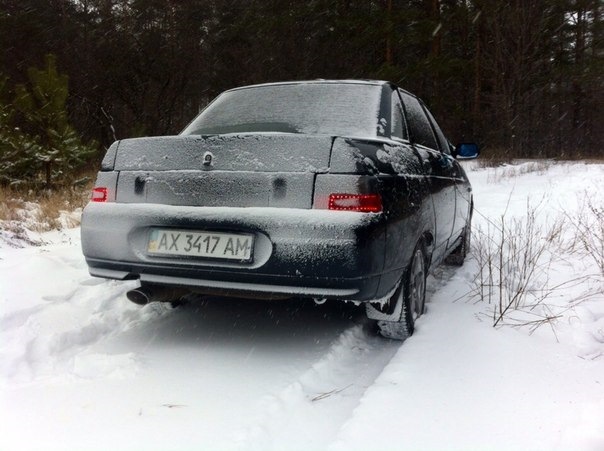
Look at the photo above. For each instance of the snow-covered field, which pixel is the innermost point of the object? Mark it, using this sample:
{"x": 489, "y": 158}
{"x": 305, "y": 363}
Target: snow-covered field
{"x": 83, "y": 368}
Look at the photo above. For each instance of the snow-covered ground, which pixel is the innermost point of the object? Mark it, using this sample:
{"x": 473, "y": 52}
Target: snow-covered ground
{"x": 82, "y": 368}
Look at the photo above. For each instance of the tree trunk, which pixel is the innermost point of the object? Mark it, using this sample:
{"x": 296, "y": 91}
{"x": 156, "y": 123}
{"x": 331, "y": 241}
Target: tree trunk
{"x": 477, "y": 73}
{"x": 47, "y": 166}
{"x": 389, "y": 59}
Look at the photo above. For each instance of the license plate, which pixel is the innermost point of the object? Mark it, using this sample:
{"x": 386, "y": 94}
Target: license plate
{"x": 230, "y": 246}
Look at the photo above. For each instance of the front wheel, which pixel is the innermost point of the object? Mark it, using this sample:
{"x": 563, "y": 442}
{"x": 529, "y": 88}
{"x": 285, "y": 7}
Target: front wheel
{"x": 407, "y": 303}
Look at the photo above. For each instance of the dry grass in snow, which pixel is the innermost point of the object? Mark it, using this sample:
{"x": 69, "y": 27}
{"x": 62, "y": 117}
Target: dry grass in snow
{"x": 22, "y": 212}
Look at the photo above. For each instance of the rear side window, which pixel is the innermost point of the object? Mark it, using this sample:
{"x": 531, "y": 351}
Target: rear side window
{"x": 440, "y": 136}
{"x": 398, "y": 129}
{"x": 419, "y": 126}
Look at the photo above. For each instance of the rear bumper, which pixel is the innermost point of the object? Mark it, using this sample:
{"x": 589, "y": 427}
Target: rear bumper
{"x": 309, "y": 253}
{"x": 235, "y": 284}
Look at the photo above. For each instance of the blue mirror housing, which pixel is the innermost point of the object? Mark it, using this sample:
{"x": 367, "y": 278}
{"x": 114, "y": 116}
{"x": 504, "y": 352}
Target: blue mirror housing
{"x": 467, "y": 151}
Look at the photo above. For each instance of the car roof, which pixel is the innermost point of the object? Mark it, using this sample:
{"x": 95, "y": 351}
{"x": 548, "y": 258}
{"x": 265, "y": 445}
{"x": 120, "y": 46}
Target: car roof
{"x": 317, "y": 81}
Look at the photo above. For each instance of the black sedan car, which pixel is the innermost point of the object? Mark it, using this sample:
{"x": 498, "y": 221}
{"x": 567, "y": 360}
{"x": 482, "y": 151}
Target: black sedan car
{"x": 343, "y": 190}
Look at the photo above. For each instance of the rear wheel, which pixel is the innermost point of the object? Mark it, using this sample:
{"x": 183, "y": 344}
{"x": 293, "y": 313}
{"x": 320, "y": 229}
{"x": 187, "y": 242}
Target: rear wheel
{"x": 397, "y": 318}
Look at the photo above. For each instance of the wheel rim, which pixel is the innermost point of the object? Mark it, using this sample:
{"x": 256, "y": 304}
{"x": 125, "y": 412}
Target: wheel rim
{"x": 417, "y": 285}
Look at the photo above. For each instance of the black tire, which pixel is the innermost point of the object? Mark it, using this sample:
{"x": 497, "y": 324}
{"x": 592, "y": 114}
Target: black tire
{"x": 408, "y": 301}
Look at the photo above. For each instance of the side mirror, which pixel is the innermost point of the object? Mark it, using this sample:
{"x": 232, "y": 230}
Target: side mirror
{"x": 467, "y": 151}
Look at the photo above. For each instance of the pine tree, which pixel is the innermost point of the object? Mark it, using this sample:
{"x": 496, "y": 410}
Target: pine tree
{"x": 57, "y": 148}
{"x": 17, "y": 150}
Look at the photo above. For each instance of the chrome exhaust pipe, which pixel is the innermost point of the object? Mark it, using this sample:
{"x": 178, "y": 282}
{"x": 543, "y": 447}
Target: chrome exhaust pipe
{"x": 155, "y": 293}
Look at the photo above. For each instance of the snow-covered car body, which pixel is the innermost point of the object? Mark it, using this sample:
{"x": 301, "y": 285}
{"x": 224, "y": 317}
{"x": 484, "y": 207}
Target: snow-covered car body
{"x": 323, "y": 188}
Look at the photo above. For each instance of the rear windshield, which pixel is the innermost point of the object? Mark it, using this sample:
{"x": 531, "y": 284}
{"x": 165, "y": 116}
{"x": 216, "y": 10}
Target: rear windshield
{"x": 335, "y": 109}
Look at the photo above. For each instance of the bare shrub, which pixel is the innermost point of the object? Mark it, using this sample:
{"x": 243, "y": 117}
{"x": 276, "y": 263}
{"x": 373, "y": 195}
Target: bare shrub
{"x": 514, "y": 258}
{"x": 493, "y": 161}
{"x": 588, "y": 227}
{"x": 524, "y": 264}
{"x": 506, "y": 171}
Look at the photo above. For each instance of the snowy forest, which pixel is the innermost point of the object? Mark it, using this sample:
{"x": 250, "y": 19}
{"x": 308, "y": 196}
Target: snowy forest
{"x": 521, "y": 78}
{"x": 507, "y": 351}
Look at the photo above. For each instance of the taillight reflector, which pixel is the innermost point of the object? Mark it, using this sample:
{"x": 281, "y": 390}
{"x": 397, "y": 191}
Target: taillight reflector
{"x": 366, "y": 203}
{"x": 99, "y": 194}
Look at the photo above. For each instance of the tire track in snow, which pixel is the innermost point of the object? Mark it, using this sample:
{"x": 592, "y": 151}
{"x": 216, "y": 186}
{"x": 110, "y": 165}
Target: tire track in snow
{"x": 323, "y": 397}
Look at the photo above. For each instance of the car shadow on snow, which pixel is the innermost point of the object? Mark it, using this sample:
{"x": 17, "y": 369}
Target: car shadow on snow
{"x": 205, "y": 320}
{"x": 213, "y": 320}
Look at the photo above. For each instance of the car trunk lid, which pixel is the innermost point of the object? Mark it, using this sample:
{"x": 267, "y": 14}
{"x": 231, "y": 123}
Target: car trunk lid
{"x": 252, "y": 170}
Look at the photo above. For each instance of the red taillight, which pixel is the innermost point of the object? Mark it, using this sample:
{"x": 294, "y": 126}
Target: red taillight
{"x": 99, "y": 194}
{"x": 366, "y": 203}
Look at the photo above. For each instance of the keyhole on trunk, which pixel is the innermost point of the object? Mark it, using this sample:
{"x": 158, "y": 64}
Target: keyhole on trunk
{"x": 279, "y": 188}
{"x": 139, "y": 184}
